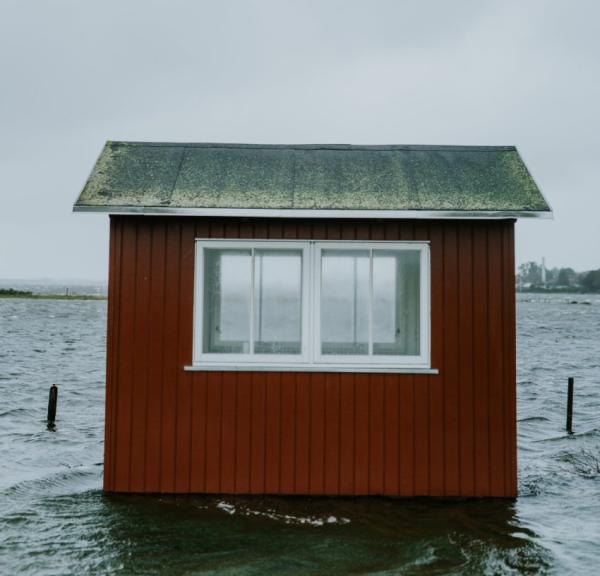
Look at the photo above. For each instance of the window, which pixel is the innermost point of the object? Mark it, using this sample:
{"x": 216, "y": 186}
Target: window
{"x": 311, "y": 305}
{"x": 370, "y": 303}
{"x": 253, "y": 299}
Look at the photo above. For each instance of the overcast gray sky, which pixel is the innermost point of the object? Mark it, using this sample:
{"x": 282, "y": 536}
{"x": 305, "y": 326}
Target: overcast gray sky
{"x": 75, "y": 73}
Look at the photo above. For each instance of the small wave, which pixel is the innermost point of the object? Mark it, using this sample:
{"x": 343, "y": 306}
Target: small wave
{"x": 588, "y": 433}
{"x": 566, "y": 437}
{"x": 272, "y": 514}
{"x": 15, "y": 411}
{"x": 530, "y": 487}
{"x": 585, "y": 464}
{"x": 534, "y": 419}
{"x": 69, "y": 481}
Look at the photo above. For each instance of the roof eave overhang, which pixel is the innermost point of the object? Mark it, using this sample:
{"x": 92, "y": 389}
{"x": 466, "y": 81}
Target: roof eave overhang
{"x": 316, "y": 213}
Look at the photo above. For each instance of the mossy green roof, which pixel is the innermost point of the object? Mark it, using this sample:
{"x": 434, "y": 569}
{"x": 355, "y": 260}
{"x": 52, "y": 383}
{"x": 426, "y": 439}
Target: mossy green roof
{"x": 155, "y": 177}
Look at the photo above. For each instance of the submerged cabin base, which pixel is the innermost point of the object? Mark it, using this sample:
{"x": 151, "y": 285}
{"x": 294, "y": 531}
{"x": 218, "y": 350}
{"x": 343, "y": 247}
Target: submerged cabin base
{"x": 169, "y": 430}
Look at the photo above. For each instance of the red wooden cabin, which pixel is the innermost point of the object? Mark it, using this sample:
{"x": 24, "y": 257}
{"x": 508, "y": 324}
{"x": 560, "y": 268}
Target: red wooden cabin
{"x": 311, "y": 319}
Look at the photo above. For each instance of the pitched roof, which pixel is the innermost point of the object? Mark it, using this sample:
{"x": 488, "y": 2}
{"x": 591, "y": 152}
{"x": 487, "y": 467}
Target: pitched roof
{"x": 312, "y": 180}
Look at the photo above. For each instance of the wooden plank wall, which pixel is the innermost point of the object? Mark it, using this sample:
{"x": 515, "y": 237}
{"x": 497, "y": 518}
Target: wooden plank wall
{"x": 172, "y": 431}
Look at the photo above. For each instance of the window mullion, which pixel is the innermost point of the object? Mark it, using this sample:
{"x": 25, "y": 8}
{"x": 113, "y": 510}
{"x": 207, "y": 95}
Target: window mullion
{"x": 370, "y": 302}
{"x": 308, "y": 302}
{"x": 314, "y": 343}
{"x": 252, "y": 301}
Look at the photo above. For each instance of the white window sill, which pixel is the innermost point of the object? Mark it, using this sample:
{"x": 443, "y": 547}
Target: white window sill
{"x": 375, "y": 368}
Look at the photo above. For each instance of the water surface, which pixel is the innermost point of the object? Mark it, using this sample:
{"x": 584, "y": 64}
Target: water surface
{"x": 54, "y": 518}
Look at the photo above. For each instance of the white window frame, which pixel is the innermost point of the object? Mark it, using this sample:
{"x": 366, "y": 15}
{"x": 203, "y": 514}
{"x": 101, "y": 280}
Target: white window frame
{"x": 310, "y": 358}
{"x": 420, "y": 361}
{"x": 201, "y": 357}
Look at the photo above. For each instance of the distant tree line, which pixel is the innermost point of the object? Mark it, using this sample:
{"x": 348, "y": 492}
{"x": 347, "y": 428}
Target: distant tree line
{"x": 530, "y": 278}
{"x": 13, "y": 292}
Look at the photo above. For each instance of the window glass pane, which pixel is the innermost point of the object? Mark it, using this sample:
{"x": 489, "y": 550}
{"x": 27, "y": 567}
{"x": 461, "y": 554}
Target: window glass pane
{"x": 345, "y": 302}
{"x": 227, "y": 277}
{"x": 277, "y": 301}
{"x": 396, "y": 302}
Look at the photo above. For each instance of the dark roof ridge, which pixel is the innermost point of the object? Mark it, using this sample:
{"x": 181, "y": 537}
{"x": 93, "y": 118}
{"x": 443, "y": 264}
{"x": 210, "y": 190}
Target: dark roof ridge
{"x": 361, "y": 147}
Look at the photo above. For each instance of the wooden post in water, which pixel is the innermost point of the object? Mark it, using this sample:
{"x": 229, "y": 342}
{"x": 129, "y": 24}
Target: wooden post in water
{"x": 52, "y": 399}
{"x": 570, "y": 406}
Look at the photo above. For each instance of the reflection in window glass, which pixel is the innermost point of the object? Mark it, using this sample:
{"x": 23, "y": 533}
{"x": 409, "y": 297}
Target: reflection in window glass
{"x": 345, "y": 302}
{"x": 227, "y": 278}
{"x": 277, "y": 301}
{"x": 396, "y": 302}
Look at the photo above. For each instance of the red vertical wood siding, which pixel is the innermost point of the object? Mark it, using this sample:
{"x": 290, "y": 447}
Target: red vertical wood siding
{"x": 448, "y": 434}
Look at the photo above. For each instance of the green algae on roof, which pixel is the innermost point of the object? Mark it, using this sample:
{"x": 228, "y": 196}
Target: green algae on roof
{"x": 137, "y": 175}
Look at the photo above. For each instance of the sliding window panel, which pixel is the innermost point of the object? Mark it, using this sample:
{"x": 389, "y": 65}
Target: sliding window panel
{"x": 344, "y": 305}
{"x": 227, "y": 297}
{"x": 396, "y": 302}
{"x": 277, "y": 301}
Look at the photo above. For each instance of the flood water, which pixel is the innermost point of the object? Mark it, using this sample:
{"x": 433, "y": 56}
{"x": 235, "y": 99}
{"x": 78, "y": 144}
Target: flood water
{"x": 54, "y": 518}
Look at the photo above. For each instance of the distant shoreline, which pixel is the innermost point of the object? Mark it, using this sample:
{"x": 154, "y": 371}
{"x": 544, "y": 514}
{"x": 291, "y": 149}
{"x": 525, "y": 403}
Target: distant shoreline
{"x": 554, "y": 291}
{"x": 52, "y": 297}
